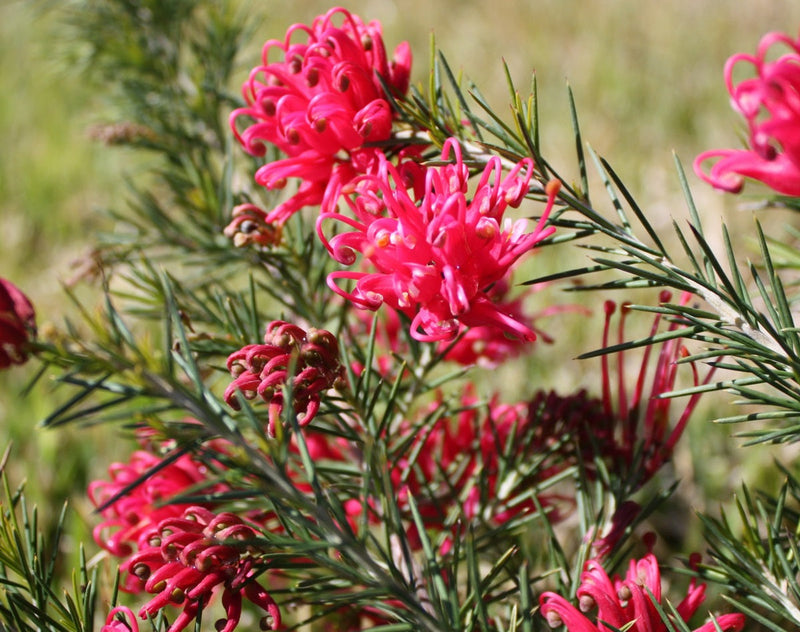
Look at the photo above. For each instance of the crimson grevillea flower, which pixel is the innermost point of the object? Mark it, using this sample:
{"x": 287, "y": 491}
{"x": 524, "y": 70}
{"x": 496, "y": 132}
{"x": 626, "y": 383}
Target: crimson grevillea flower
{"x": 263, "y": 369}
{"x": 17, "y": 324}
{"x": 147, "y": 502}
{"x": 319, "y": 103}
{"x": 436, "y": 252}
{"x": 185, "y": 560}
{"x": 627, "y": 604}
{"x": 770, "y": 103}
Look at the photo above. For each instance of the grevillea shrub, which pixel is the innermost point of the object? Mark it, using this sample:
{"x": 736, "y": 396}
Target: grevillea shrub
{"x": 322, "y": 326}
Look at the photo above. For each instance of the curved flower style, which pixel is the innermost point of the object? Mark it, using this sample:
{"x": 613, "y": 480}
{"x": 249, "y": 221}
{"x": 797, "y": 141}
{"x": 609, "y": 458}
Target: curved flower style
{"x": 482, "y": 345}
{"x": 770, "y": 103}
{"x": 263, "y": 369}
{"x": 436, "y": 252}
{"x": 121, "y": 619}
{"x": 17, "y": 324}
{"x": 185, "y": 560}
{"x": 627, "y": 604}
{"x": 319, "y": 103}
{"x": 490, "y": 346}
{"x": 146, "y": 503}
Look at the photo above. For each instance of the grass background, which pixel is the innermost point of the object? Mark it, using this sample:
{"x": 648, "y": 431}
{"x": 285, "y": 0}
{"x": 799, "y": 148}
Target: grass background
{"x": 647, "y": 79}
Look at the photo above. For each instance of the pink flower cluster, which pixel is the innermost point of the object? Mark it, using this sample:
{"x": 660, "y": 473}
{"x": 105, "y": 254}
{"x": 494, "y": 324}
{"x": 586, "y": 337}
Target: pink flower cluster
{"x": 320, "y": 102}
{"x": 441, "y": 253}
{"x": 17, "y": 324}
{"x": 436, "y": 251}
{"x": 770, "y": 103}
{"x": 627, "y": 604}
{"x": 131, "y": 506}
{"x": 181, "y": 553}
{"x": 184, "y": 560}
{"x": 263, "y": 369}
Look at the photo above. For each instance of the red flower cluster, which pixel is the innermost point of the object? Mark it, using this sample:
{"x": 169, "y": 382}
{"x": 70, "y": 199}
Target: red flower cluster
{"x": 17, "y": 324}
{"x": 146, "y": 502}
{"x": 627, "y": 604}
{"x": 319, "y": 103}
{"x": 449, "y": 457}
{"x": 185, "y": 560}
{"x": 770, "y": 103}
{"x": 461, "y": 457}
{"x": 436, "y": 252}
{"x": 263, "y": 369}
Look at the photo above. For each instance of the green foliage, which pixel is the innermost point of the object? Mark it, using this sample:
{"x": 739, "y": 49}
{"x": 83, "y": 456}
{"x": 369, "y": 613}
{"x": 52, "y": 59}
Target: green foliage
{"x": 32, "y": 598}
{"x": 755, "y": 553}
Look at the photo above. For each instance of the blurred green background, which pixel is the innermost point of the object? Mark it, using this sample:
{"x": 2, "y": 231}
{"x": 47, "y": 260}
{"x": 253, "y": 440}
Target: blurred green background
{"x": 647, "y": 78}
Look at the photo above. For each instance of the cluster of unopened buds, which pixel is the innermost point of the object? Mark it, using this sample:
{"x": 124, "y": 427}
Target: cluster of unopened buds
{"x": 306, "y": 361}
{"x": 184, "y": 560}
